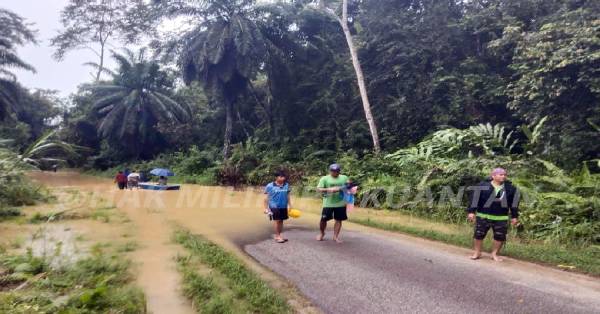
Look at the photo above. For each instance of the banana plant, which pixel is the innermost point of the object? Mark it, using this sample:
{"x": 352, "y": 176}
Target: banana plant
{"x": 533, "y": 133}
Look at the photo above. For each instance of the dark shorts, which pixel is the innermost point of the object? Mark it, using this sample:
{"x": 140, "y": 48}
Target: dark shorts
{"x": 121, "y": 185}
{"x": 279, "y": 213}
{"x": 337, "y": 213}
{"x": 499, "y": 227}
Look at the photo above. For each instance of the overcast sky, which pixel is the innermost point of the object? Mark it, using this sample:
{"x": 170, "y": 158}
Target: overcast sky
{"x": 65, "y": 75}
{"x": 51, "y": 74}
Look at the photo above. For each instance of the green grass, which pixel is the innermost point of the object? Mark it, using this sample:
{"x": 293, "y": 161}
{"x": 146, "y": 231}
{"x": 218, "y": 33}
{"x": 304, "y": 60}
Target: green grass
{"x": 8, "y": 213}
{"x": 585, "y": 259}
{"x": 207, "y": 295}
{"x": 39, "y": 217}
{"x": 129, "y": 246}
{"x": 227, "y": 273}
{"x": 100, "y": 283}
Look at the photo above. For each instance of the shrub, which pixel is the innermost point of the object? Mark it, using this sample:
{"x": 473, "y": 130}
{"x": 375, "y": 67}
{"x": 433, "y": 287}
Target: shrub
{"x": 15, "y": 188}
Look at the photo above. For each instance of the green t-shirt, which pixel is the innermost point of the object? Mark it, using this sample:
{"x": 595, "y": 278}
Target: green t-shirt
{"x": 335, "y": 199}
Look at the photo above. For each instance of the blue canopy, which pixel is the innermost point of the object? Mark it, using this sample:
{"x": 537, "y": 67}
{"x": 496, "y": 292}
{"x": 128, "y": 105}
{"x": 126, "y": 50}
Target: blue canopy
{"x": 162, "y": 172}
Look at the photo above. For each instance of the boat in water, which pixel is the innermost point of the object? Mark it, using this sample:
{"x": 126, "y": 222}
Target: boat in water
{"x": 156, "y": 187}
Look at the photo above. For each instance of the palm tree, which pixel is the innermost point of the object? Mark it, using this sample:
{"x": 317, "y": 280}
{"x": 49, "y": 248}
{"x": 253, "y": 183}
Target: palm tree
{"x": 49, "y": 149}
{"x": 13, "y": 33}
{"x": 138, "y": 97}
{"x": 223, "y": 52}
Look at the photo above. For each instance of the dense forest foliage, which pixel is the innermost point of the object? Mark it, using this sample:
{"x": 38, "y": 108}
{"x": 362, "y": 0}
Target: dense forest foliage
{"x": 244, "y": 87}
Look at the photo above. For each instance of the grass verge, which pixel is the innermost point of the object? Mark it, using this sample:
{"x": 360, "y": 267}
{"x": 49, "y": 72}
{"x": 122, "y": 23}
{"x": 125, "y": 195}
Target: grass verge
{"x": 226, "y": 285}
{"x": 100, "y": 283}
{"x": 581, "y": 259}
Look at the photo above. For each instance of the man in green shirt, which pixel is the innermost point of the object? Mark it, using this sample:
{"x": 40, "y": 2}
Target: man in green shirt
{"x": 334, "y": 206}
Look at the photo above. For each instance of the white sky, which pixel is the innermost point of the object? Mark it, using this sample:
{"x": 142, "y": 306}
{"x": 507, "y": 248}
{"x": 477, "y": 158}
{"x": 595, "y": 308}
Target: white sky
{"x": 65, "y": 75}
{"x": 51, "y": 74}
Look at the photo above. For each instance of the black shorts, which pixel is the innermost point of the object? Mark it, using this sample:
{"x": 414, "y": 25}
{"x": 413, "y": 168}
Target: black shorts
{"x": 279, "y": 213}
{"x": 337, "y": 213}
{"x": 121, "y": 185}
{"x": 499, "y": 227}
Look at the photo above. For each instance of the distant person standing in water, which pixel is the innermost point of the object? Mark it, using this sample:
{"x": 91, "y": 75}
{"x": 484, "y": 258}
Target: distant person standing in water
{"x": 334, "y": 206}
{"x": 491, "y": 202}
{"x": 133, "y": 180}
{"x": 277, "y": 203}
{"x": 143, "y": 176}
{"x": 121, "y": 180}
{"x": 162, "y": 180}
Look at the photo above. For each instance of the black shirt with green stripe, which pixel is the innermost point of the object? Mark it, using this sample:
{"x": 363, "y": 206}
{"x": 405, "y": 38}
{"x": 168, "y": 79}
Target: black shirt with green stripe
{"x": 494, "y": 203}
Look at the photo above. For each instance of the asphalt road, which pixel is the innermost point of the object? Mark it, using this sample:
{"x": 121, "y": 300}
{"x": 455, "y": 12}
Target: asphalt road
{"x": 388, "y": 273}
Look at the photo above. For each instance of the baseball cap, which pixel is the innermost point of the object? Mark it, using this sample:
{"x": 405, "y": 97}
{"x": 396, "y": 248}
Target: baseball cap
{"x": 280, "y": 173}
{"x": 335, "y": 167}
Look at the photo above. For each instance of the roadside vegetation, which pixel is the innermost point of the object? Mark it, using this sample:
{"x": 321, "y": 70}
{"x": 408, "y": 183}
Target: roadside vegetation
{"x": 16, "y": 189}
{"x": 99, "y": 283}
{"x": 582, "y": 259}
{"x": 218, "y": 282}
{"x": 42, "y": 271}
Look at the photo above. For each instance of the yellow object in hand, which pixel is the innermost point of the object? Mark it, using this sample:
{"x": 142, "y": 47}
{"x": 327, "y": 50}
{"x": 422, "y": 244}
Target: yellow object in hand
{"x": 294, "y": 213}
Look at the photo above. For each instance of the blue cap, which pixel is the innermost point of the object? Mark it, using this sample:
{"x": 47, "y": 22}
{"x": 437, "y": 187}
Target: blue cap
{"x": 335, "y": 167}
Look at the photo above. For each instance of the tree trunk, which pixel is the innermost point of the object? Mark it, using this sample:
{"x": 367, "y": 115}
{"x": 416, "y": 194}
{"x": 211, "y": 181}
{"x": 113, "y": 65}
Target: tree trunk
{"x": 228, "y": 128}
{"x": 101, "y": 64}
{"x": 359, "y": 77}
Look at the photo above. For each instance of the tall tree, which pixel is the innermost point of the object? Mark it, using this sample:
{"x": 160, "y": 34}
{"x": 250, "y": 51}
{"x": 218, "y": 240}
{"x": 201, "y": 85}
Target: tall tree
{"x": 343, "y": 20}
{"x": 13, "y": 33}
{"x": 564, "y": 84}
{"x": 93, "y": 24}
{"x": 139, "y": 96}
{"x": 224, "y": 51}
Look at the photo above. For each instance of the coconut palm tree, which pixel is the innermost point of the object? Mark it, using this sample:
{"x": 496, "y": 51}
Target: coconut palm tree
{"x": 223, "y": 51}
{"x": 13, "y": 33}
{"x": 138, "y": 97}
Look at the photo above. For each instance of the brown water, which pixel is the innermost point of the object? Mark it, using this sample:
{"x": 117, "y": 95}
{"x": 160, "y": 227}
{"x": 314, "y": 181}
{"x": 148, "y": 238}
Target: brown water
{"x": 230, "y": 218}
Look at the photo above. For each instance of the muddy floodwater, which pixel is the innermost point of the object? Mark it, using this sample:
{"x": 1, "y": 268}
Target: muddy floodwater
{"x": 228, "y": 217}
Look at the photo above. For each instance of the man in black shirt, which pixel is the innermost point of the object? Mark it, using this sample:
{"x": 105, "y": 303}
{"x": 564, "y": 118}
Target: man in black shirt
{"x": 491, "y": 202}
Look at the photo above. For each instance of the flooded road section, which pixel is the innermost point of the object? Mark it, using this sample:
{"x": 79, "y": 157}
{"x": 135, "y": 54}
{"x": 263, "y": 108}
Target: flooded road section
{"x": 227, "y": 217}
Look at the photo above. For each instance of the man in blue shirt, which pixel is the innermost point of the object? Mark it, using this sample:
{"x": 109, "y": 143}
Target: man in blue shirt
{"x": 277, "y": 203}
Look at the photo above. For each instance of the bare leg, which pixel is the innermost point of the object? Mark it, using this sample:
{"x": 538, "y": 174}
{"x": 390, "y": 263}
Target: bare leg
{"x": 337, "y": 227}
{"x": 477, "y": 247}
{"x": 278, "y": 225}
{"x": 496, "y": 250}
{"x": 322, "y": 227}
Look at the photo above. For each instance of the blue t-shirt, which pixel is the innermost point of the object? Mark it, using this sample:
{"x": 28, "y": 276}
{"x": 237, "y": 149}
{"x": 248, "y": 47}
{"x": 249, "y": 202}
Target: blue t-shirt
{"x": 278, "y": 195}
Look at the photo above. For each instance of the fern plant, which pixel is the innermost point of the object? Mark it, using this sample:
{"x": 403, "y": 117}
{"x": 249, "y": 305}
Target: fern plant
{"x": 492, "y": 138}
